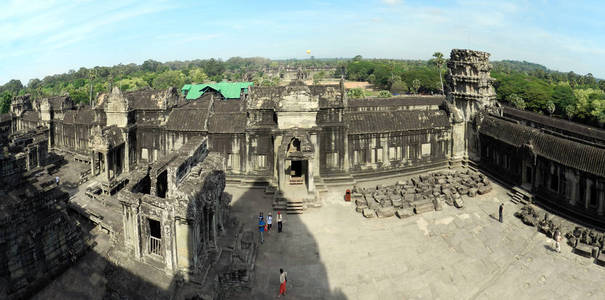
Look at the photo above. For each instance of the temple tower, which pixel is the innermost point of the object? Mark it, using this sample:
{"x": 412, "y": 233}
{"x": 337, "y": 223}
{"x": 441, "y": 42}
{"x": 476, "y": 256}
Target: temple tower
{"x": 469, "y": 90}
{"x": 118, "y": 109}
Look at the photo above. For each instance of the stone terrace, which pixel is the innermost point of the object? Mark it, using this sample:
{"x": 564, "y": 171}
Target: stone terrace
{"x": 335, "y": 253}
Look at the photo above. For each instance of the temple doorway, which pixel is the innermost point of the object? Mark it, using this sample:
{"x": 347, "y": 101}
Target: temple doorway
{"x": 297, "y": 172}
{"x": 527, "y": 177}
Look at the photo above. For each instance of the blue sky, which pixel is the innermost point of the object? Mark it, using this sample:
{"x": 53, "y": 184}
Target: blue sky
{"x": 39, "y": 38}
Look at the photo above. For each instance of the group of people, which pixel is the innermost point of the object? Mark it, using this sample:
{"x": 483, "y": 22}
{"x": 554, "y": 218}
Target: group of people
{"x": 265, "y": 226}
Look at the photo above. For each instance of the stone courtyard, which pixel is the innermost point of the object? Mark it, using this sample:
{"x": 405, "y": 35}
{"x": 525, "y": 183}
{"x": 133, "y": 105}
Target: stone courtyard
{"x": 335, "y": 253}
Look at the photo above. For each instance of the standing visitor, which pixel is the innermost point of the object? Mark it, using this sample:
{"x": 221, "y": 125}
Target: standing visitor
{"x": 557, "y": 238}
{"x": 261, "y": 229}
{"x": 260, "y": 216}
{"x": 283, "y": 278}
{"x": 500, "y": 210}
{"x": 269, "y": 222}
{"x": 279, "y": 222}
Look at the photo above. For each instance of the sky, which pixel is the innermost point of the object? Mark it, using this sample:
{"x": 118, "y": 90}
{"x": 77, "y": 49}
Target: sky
{"x": 40, "y": 38}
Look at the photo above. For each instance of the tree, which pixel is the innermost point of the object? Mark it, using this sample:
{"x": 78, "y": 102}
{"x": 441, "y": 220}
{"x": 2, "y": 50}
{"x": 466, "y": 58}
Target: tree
{"x": 372, "y": 78}
{"x": 150, "y": 65}
{"x": 5, "y": 101}
{"x": 602, "y": 85}
{"x": 570, "y": 111}
{"x": 563, "y": 96}
{"x": 516, "y": 101}
{"x": 399, "y": 87}
{"x": 132, "y": 84}
{"x": 13, "y": 86}
{"x": 169, "y": 79}
{"x": 357, "y": 58}
{"x": 439, "y": 62}
{"x": 197, "y": 75}
{"x": 356, "y": 93}
{"x": 384, "y": 94}
{"x": 318, "y": 77}
{"x": 550, "y": 107}
{"x": 415, "y": 85}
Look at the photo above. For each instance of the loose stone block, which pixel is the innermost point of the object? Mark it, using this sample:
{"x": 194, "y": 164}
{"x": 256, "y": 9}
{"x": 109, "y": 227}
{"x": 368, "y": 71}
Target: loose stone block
{"x": 484, "y": 189}
{"x": 404, "y": 213}
{"x": 385, "y": 212}
{"x": 369, "y": 213}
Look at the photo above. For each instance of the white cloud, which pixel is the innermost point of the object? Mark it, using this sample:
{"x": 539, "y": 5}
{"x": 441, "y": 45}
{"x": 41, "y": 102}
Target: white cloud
{"x": 391, "y": 2}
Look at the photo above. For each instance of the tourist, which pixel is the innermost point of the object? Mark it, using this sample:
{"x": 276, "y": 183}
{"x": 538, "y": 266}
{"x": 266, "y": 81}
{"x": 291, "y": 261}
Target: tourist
{"x": 279, "y": 222}
{"x": 557, "y": 238}
{"x": 500, "y": 210}
{"x": 260, "y": 216}
{"x": 261, "y": 229}
{"x": 57, "y": 179}
{"x": 269, "y": 222}
{"x": 283, "y": 278}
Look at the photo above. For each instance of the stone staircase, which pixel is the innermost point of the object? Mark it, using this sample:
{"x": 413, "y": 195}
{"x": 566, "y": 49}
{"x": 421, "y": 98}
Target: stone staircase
{"x": 345, "y": 179}
{"x": 289, "y": 205}
{"x": 320, "y": 185}
{"x": 520, "y": 196}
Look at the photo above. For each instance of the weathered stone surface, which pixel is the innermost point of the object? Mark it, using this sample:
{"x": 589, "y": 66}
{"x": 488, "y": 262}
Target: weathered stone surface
{"x": 484, "y": 190}
{"x": 385, "y": 212}
{"x": 458, "y": 202}
{"x": 404, "y": 213}
{"x": 369, "y": 213}
{"x": 437, "y": 204}
{"x": 424, "y": 207}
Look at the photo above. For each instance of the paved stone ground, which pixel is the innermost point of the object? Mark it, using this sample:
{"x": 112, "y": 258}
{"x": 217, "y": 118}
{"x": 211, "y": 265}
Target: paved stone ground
{"x": 334, "y": 253}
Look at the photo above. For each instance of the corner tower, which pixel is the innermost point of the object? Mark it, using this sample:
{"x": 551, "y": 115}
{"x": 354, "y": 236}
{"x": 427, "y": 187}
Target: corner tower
{"x": 469, "y": 90}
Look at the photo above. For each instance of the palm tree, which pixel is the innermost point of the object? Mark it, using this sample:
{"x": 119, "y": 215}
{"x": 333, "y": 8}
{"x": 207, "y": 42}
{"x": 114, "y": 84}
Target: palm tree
{"x": 439, "y": 62}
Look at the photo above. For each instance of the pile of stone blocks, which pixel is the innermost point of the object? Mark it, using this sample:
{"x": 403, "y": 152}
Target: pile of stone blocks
{"x": 420, "y": 194}
{"x": 528, "y": 215}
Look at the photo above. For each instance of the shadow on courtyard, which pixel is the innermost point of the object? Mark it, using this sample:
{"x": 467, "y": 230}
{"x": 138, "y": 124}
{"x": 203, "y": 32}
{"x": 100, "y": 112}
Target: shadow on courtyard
{"x": 295, "y": 250}
{"x": 94, "y": 276}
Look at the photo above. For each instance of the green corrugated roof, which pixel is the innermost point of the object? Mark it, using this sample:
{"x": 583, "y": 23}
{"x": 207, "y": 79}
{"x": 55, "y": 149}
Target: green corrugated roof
{"x": 229, "y": 90}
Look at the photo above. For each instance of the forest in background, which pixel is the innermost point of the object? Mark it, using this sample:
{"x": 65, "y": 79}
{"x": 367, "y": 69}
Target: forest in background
{"x": 523, "y": 85}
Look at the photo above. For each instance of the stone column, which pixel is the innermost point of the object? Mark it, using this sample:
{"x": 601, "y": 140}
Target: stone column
{"x": 106, "y": 166}
{"x": 38, "y": 156}
{"x": 588, "y": 193}
{"x": 281, "y": 174}
{"x": 92, "y": 164}
{"x": 245, "y": 153}
{"x": 600, "y": 197}
{"x": 126, "y": 161}
{"x": 311, "y": 184}
{"x": 316, "y": 155}
{"x": 346, "y": 152}
{"x": 573, "y": 187}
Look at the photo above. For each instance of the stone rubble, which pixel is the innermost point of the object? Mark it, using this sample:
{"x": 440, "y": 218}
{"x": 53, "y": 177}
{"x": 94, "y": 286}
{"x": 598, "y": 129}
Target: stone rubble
{"x": 421, "y": 194}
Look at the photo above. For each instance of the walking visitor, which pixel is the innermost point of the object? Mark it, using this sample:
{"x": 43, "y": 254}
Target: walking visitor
{"x": 269, "y": 222}
{"x": 283, "y": 278}
{"x": 500, "y": 212}
{"x": 261, "y": 229}
{"x": 279, "y": 222}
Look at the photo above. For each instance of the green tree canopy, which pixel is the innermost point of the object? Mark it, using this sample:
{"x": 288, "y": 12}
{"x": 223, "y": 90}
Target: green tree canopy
{"x": 169, "y": 79}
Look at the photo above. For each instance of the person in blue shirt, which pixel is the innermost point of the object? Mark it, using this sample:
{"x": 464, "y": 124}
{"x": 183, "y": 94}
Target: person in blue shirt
{"x": 261, "y": 229}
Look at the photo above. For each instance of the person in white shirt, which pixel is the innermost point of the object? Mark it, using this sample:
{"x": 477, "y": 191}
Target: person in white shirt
{"x": 279, "y": 222}
{"x": 269, "y": 222}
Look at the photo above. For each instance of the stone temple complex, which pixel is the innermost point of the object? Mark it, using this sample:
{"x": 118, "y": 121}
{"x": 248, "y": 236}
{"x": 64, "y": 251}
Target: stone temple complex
{"x": 157, "y": 162}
